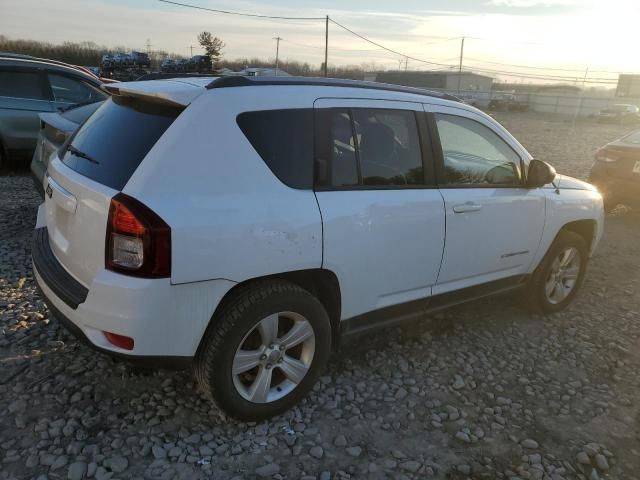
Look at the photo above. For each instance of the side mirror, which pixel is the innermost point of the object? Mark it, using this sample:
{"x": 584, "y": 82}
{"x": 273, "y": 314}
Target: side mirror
{"x": 540, "y": 174}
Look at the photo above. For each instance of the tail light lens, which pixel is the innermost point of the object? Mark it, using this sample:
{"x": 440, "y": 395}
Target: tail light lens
{"x": 138, "y": 241}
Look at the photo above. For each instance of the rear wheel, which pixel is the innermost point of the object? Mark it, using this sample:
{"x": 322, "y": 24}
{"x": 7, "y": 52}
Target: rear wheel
{"x": 264, "y": 351}
{"x": 560, "y": 274}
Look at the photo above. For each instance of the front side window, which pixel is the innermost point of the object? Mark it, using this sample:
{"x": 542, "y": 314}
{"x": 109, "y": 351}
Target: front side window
{"x": 21, "y": 85}
{"x": 72, "y": 90}
{"x": 369, "y": 147}
{"x": 475, "y": 155}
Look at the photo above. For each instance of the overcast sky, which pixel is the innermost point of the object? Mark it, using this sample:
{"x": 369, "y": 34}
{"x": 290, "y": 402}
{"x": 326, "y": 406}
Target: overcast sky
{"x": 562, "y": 34}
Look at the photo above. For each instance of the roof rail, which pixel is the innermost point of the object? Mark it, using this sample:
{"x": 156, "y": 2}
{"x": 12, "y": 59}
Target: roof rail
{"x": 23, "y": 56}
{"x": 244, "y": 81}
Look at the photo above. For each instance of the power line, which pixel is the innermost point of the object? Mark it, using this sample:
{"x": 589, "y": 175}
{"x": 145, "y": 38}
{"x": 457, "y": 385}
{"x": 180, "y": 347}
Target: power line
{"x": 228, "y": 12}
{"x": 382, "y": 46}
{"x": 405, "y": 56}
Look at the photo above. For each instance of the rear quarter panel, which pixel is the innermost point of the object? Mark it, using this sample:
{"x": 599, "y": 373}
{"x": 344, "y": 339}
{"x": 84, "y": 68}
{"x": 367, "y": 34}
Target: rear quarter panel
{"x": 230, "y": 216}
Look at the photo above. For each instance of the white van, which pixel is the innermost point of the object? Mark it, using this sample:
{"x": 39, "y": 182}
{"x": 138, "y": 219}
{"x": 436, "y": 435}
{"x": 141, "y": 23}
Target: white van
{"x": 241, "y": 225}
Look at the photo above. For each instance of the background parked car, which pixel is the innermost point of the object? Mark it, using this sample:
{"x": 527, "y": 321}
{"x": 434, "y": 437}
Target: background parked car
{"x": 168, "y": 65}
{"x": 616, "y": 171}
{"x": 182, "y": 65}
{"x": 620, "y": 113}
{"x": 140, "y": 59}
{"x": 200, "y": 63}
{"x": 106, "y": 62}
{"x": 29, "y": 86}
{"x": 55, "y": 129}
{"x": 121, "y": 60}
{"x": 508, "y": 102}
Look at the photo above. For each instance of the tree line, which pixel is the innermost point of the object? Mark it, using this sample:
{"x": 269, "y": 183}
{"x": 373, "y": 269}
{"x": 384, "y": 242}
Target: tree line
{"x": 90, "y": 54}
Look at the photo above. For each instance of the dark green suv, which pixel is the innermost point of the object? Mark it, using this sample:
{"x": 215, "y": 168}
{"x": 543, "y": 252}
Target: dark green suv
{"x": 29, "y": 86}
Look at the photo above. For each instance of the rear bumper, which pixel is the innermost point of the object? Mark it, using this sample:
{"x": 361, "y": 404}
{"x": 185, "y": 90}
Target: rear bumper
{"x": 165, "y": 321}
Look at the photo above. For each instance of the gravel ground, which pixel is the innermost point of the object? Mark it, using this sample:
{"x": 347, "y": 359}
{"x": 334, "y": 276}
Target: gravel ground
{"x": 485, "y": 390}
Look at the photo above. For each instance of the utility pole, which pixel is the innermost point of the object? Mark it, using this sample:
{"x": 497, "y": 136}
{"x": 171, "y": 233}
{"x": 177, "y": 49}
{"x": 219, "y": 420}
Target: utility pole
{"x": 406, "y": 63}
{"x": 191, "y": 47}
{"x": 148, "y": 46}
{"x": 277, "y": 39}
{"x": 579, "y": 107}
{"x": 326, "y": 45}
{"x": 460, "y": 67}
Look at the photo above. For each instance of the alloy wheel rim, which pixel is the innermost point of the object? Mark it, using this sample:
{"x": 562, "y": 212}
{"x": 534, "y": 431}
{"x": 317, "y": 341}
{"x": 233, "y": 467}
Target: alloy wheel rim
{"x": 273, "y": 357}
{"x": 563, "y": 275}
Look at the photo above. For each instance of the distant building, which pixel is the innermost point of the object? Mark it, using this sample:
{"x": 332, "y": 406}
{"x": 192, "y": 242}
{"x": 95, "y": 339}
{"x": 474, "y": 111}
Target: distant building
{"x": 628, "y": 86}
{"x": 441, "y": 80}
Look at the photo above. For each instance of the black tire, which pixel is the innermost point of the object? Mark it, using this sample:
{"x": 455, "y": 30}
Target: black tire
{"x": 229, "y": 327}
{"x": 536, "y": 295}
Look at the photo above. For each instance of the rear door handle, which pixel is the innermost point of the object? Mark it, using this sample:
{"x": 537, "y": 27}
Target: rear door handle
{"x": 467, "y": 207}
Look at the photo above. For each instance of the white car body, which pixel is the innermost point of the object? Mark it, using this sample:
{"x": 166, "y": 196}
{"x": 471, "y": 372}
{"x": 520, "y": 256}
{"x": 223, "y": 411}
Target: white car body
{"x": 232, "y": 220}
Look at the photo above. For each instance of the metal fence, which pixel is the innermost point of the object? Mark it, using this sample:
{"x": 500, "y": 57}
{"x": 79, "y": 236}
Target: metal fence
{"x": 560, "y": 104}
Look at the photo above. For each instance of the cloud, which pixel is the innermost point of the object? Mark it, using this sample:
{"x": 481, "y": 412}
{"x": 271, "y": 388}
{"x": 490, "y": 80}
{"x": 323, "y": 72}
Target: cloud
{"x": 536, "y": 3}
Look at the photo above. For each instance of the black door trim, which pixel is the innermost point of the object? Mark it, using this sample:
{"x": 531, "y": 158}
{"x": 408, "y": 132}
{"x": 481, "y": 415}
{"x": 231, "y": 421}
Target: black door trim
{"x": 416, "y": 309}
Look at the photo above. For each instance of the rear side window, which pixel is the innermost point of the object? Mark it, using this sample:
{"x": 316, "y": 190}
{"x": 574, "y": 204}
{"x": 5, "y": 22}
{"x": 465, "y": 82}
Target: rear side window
{"x": 22, "y": 85}
{"x": 116, "y": 138}
{"x": 363, "y": 147}
{"x": 284, "y": 140}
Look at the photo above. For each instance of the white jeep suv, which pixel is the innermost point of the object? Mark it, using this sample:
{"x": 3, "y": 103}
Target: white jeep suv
{"x": 242, "y": 225}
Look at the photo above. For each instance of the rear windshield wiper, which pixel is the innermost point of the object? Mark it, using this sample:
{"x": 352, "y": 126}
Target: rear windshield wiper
{"x": 78, "y": 153}
{"x": 76, "y": 105}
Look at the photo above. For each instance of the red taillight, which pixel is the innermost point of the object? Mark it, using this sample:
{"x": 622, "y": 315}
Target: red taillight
{"x": 119, "y": 340}
{"x": 138, "y": 241}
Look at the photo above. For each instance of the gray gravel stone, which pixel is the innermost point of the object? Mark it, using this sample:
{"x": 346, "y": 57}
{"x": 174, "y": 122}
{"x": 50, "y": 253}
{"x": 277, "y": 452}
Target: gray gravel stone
{"x": 158, "y": 452}
{"x": 267, "y": 470}
{"x": 340, "y": 441}
{"x": 410, "y": 466}
{"x": 316, "y": 452}
{"x": 601, "y": 462}
{"x": 77, "y": 471}
{"x": 354, "y": 451}
{"x": 583, "y": 458}
{"x": 118, "y": 464}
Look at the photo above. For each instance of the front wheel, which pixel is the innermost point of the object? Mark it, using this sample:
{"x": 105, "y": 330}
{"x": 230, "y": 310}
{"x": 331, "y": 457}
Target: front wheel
{"x": 560, "y": 274}
{"x": 264, "y": 351}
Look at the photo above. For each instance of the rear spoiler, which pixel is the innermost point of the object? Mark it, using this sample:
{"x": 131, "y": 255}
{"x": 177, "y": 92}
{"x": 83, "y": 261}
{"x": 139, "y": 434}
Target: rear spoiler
{"x": 169, "y": 92}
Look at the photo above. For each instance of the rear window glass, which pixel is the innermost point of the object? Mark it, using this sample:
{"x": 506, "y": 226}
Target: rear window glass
{"x": 116, "y": 138}
{"x": 284, "y": 140}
